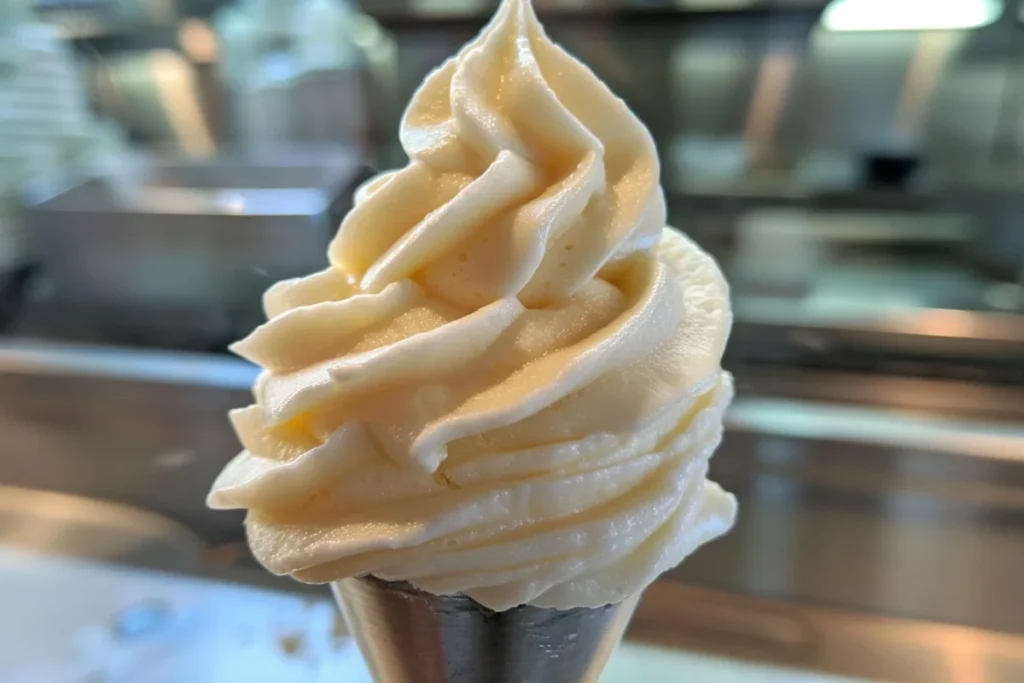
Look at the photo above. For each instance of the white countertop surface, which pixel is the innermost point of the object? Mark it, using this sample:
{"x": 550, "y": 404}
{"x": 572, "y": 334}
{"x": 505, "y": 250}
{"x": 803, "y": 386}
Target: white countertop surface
{"x": 69, "y": 621}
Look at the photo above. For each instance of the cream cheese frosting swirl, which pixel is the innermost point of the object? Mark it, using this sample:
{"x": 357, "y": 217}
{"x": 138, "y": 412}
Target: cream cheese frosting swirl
{"x": 507, "y": 384}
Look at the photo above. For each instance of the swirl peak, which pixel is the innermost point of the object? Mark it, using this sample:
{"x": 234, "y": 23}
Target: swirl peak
{"x": 527, "y": 176}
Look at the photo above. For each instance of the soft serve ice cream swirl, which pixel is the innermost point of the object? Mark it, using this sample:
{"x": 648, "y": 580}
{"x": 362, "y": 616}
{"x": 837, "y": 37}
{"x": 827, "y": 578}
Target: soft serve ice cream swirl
{"x": 507, "y": 382}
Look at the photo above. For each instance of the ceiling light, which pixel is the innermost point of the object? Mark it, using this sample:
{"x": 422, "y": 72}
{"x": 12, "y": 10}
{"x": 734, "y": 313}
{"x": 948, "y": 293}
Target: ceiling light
{"x": 910, "y": 15}
{"x": 715, "y": 5}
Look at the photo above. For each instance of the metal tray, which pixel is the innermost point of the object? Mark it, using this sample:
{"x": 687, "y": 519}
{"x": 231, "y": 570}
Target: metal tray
{"x": 180, "y": 256}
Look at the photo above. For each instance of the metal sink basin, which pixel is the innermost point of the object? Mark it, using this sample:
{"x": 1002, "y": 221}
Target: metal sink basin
{"x": 182, "y": 253}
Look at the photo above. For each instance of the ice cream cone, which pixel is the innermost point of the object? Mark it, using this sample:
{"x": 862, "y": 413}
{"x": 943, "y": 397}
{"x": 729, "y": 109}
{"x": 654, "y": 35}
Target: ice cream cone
{"x": 407, "y": 635}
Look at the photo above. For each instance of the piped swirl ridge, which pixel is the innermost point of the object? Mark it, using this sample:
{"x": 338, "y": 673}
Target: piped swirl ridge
{"x": 507, "y": 384}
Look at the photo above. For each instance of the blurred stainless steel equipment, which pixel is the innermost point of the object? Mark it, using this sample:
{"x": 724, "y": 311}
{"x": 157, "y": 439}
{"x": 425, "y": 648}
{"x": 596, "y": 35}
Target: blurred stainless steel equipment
{"x": 307, "y": 71}
{"x": 45, "y": 126}
{"x": 182, "y": 258}
{"x": 408, "y": 636}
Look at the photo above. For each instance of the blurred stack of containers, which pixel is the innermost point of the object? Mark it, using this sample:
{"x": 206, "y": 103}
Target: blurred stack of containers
{"x": 305, "y": 72}
{"x": 42, "y": 108}
{"x": 48, "y": 135}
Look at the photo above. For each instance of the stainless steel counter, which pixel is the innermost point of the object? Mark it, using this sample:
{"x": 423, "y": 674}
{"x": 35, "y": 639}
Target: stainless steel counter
{"x": 861, "y": 495}
{"x": 864, "y": 645}
{"x": 878, "y": 493}
{"x": 138, "y": 427}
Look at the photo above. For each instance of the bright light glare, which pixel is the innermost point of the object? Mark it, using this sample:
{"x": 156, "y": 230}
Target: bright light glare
{"x": 710, "y": 5}
{"x": 910, "y": 15}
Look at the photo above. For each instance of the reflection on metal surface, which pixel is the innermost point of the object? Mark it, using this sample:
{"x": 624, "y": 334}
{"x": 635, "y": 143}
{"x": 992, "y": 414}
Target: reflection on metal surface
{"x": 926, "y": 66}
{"x": 771, "y": 93}
{"x": 892, "y": 528}
{"x": 409, "y": 636}
{"x": 434, "y": 8}
{"x": 59, "y": 524}
{"x": 848, "y": 337}
{"x": 937, "y": 323}
{"x": 863, "y": 645}
{"x": 805, "y": 419}
{"x": 964, "y": 325}
{"x": 910, "y": 15}
{"x": 20, "y": 357}
{"x": 958, "y": 399}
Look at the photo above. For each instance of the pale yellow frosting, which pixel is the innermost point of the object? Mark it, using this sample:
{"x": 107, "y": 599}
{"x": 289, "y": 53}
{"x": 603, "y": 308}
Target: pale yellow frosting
{"x": 507, "y": 384}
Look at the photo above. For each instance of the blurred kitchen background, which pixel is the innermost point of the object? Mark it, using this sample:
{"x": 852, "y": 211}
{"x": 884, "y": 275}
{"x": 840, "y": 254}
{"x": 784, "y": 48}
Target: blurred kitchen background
{"x": 857, "y": 166}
